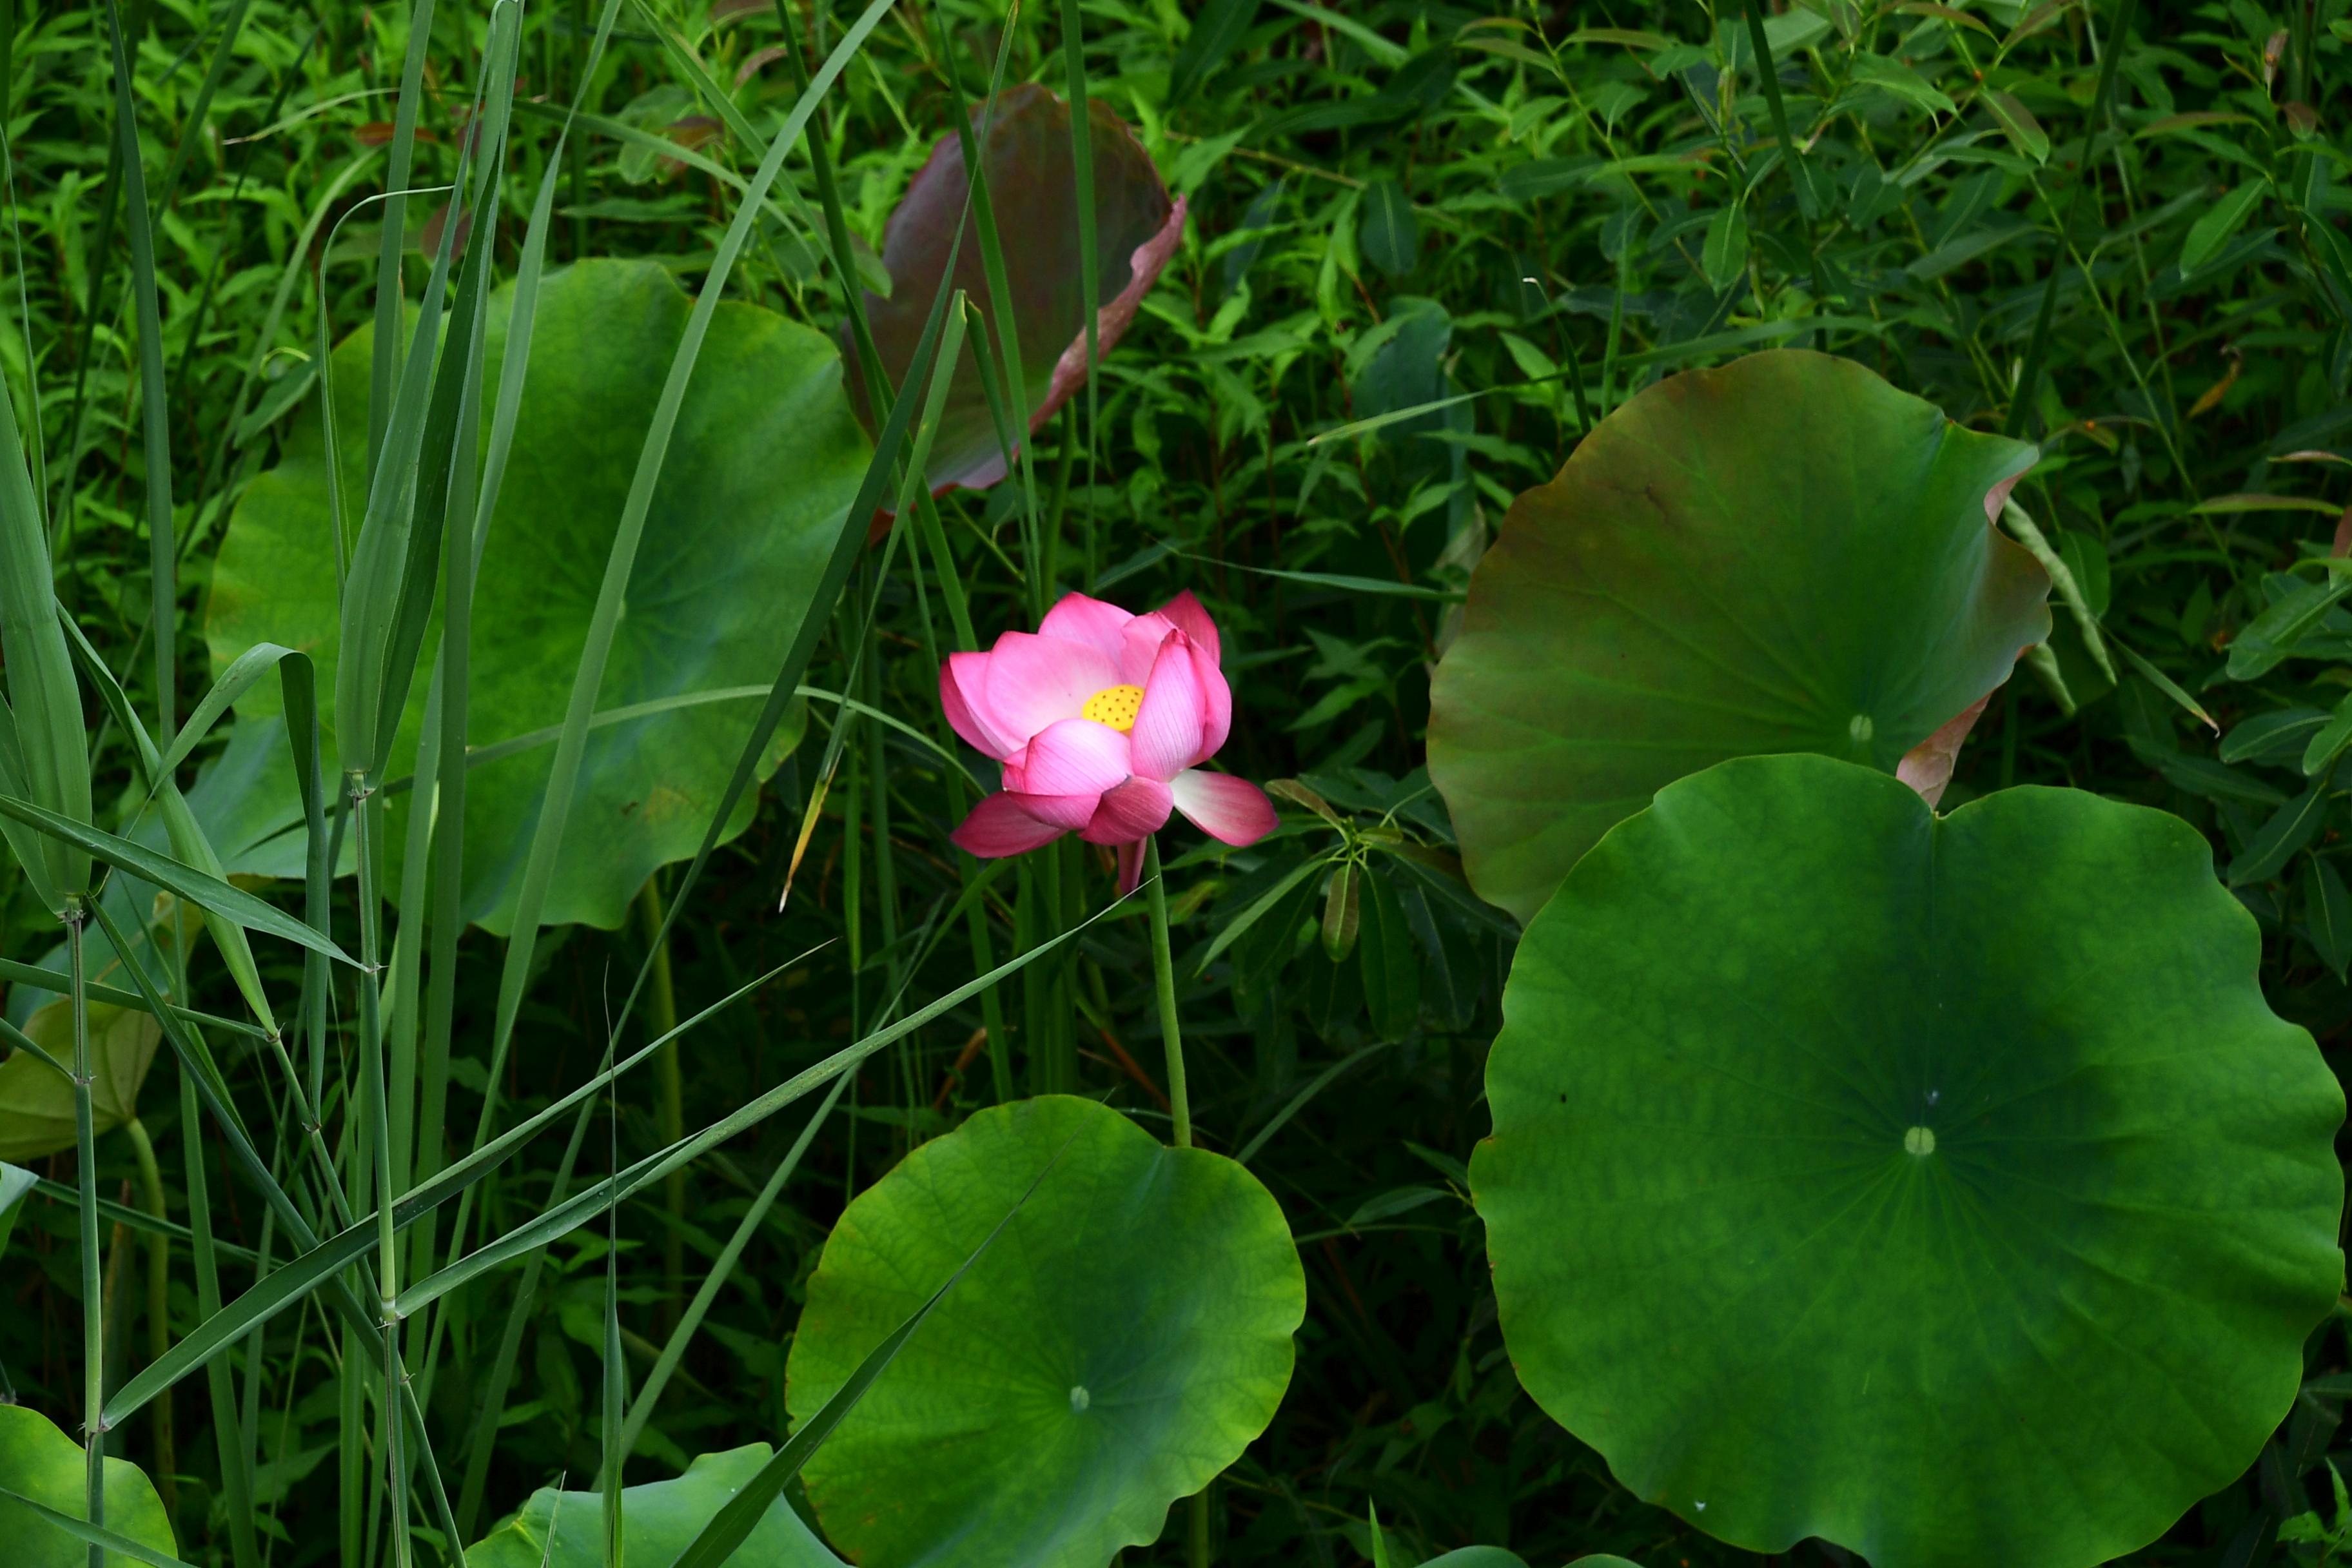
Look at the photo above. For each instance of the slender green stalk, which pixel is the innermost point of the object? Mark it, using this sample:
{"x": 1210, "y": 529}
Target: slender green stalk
{"x": 159, "y": 1323}
{"x": 671, "y": 1078}
{"x": 373, "y": 1093}
{"x": 230, "y": 1426}
{"x": 93, "y": 1299}
{"x": 1163, "y": 975}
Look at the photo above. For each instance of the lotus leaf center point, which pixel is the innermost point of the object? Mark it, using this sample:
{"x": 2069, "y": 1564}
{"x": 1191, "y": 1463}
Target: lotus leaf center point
{"x": 1079, "y": 1398}
{"x": 1862, "y": 729}
{"x": 1917, "y": 1141}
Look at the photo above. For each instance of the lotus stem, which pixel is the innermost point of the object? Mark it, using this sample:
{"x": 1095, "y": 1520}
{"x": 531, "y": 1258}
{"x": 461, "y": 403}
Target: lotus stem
{"x": 1163, "y": 974}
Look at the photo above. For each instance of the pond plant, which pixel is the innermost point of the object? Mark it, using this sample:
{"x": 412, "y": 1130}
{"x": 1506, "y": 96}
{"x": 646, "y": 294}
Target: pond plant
{"x": 603, "y": 972}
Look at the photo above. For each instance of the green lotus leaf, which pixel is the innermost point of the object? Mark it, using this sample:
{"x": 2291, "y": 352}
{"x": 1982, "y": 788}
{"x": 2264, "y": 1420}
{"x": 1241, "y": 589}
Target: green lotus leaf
{"x": 765, "y": 462}
{"x": 1783, "y": 554}
{"x": 658, "y": 1520}
{"x": 1122, "y": 1342}
{"x": 1032, "y": 181}
{"x": 39, "y": 1462}
{"x": 1496, "y": 1557}
{"x": 37, "y": 1105}
{"x": 1944, "y": 1188}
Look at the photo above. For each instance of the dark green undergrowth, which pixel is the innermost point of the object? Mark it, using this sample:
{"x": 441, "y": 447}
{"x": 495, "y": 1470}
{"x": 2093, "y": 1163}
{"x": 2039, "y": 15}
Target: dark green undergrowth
{"x": 1427, "y": 247}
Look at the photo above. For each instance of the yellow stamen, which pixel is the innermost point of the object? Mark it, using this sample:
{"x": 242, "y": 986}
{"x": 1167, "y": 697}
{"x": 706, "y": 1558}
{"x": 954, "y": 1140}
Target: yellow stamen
{"x": 1115, "y": 706}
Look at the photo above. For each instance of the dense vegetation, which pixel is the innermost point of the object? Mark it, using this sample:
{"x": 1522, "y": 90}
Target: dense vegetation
{"x": 1424, "y": 252}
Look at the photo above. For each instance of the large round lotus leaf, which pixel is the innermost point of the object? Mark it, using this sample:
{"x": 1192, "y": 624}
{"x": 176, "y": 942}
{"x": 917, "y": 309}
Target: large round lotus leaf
{"x": 37, "y": 1105}
{"x": 1942, "y": 1188}
{"x": 659, "y": 1521}
{"x": 1785, "y": 554}
{"x": 1117, "y": 1345}
{"x": 765, "y": 462}
{"x": 1496, "y": 1557}
{"x": 39, "y": 1462}
{"x": 1026, "y": 158}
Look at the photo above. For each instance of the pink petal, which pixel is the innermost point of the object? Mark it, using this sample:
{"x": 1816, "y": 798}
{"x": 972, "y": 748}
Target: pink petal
{"x": 1076, "y": 756}
{"x": 998, "y": 826}
{"x": 1130, "y": 866}
{"x": 963, "y": 676}
{"x": 1063, "y": 813}
{"x": 1035, "y": 681}
{"x": 1141, "y": 646}
{"x": 1129, "y": 814}
{"x": 1078, "y": 618}
{"x": 1223, "y": 806}
{"x": 1168, "y": 727}
{"x": 1193, "y": 620}
{"x": 1216, "y": 703}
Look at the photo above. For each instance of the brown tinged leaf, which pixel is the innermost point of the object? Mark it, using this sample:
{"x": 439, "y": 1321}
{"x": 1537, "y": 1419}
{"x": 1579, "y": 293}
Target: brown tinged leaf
{"x": 2211, "y": 396}
{"x": 1928, "y": 766}
{"x": 1032, "y": 188}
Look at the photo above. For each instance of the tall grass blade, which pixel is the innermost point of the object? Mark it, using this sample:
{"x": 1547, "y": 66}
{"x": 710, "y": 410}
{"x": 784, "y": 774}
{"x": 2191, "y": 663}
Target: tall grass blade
{"x": 162, "y": 558}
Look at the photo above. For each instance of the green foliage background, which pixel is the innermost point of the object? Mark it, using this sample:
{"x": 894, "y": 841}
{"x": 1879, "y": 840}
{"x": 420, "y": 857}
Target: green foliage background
{"x": 1520, "y": 215}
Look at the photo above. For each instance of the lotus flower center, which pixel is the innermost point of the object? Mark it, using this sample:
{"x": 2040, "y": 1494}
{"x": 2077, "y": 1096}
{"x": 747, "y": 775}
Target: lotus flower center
{"x": 1115, "y": 706}
{"x": 1919, "y": 1141}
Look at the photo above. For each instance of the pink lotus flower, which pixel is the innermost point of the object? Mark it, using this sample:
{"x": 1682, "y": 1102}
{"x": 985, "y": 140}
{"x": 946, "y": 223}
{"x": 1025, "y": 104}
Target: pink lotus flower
{"x": 1102, "y": 720}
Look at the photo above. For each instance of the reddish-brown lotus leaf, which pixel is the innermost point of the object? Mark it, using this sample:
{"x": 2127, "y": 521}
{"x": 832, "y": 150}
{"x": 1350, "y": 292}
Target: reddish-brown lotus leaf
{"x": 1026, "y": 157}
{"x": 1784, "y": 554}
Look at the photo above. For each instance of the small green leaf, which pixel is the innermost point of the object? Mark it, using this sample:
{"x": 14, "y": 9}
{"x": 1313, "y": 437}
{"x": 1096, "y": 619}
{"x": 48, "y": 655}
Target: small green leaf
{"x": 2331, "y": 739}
{"x": 1342, "y": 910}
{"x": 2275, "y": 736}
{"x": 2017, "y": 123}
{"x": 2219, "y": 221}
{"x": 1387, "y": 234}
{"x": 2272, "y": 636}
{"x": 2328, "y": 911}
{"x": 1894, "y": 77}
{"x": 2290, "y": 827}
{"x": 1725, "y": 256}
